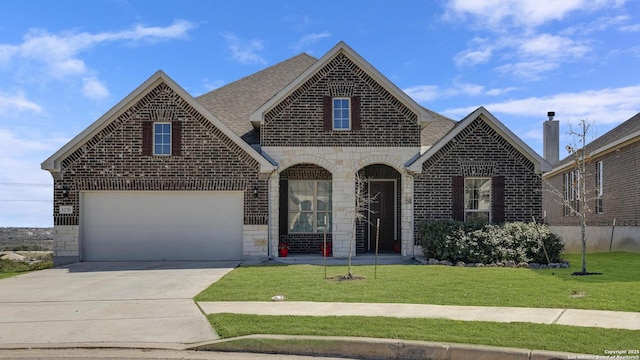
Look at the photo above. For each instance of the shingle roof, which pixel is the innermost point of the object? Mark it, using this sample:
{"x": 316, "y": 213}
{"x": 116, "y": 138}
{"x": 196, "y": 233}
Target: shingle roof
{"x": 234, "y": 102}
{"x": 626, "y": 128}
{"x": 438, "y": 128}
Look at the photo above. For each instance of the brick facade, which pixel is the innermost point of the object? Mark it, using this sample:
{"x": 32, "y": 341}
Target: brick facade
{"x": 477, "y": 151}
{"x": 620, "y": 201}
{"x": 621, "y": 195}
{"x": 298, "y": 119}
{"x": 112, "y": 160}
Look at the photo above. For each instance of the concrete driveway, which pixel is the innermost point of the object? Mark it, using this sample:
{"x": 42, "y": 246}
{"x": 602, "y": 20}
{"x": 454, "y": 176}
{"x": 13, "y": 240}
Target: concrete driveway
{"x": 136, "y": 304}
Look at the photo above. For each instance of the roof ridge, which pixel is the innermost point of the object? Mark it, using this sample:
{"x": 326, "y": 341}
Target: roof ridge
{"x": 258, "y": 73}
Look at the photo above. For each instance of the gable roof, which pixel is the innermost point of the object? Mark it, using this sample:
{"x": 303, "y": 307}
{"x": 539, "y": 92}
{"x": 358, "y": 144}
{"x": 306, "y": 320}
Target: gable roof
{"x": 436, "y": 129}
{"x": 540, "y": 164}
{"x": 54, "y": 162}
{"x": 235, "y": 102}
{"x": 424, "y": 116}
{"x": 628, "y": 131}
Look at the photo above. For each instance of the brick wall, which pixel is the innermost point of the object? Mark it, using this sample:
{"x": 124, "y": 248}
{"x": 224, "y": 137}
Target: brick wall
{"x": 621, "y": 200}
{"x": 298, "y": 119}
{"x": 113, "y": 160}
{"x": 478, "y": 150}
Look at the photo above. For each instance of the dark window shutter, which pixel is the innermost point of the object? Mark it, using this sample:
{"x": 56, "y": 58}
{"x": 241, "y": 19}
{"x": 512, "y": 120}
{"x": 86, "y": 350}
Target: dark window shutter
{"x": 147, "y": 138}
{"x": 327, "y": 113}
{"x": 457, "y": 190}
{"x": 284, "y": 207}
{"x": 355, "y": 113}
{"x": 176, "y": 138}
{"x": 497, "y": 190}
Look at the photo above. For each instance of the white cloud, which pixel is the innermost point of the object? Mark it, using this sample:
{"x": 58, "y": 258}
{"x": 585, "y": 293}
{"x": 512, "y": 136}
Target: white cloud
{"x": 92, "y": 88}
{"x": 422, "y": 93}
{"x": 499, "y": 15}
{"x": 210, "y": 85}
{"x": 245, "y": 52}
{"x": 528, "y": 70}
{"x": 551, "y": 47}
{"x": 426, "y": 93}
{"x": 600, "y": 24}
{"x": 17, "y": 101}
{"x": 310, "y": 39}
{"x": 630, "y": 28}
{"x": 56, "y": 56}
{"x": 604, "y": 106}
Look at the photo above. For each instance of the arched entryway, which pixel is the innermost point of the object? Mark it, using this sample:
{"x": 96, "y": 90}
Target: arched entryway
{"x": 384, "y": 183}
{"x": 306, "y": 206}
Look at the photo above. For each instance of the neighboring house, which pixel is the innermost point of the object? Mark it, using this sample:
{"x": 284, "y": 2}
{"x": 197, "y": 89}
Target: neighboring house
{"x": 266, "y": 159}
{"x": 614, "y": 194}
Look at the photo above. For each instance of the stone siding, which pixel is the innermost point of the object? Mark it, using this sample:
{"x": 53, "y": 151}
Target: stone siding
{"x": 343, "y": 163}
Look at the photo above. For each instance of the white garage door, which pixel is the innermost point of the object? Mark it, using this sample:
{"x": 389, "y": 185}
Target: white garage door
{"x": 161, "y": 225}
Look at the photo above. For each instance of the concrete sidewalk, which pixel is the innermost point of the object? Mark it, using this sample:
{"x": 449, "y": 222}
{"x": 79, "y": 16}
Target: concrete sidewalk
{"x": 571, "y": 317}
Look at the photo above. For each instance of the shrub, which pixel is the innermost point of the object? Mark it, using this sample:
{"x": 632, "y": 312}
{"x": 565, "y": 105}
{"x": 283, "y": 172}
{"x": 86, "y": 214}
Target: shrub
{"x": 488, "y": 243}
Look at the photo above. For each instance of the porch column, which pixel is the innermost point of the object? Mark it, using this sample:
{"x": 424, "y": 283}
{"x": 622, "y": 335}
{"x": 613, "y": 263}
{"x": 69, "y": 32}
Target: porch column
{"x": 343, "y": 213}
{"x": 406, "y": 220}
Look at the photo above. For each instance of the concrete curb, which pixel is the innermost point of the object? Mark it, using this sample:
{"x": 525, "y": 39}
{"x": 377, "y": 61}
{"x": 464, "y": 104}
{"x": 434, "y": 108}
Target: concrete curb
{"x": 376, "y": 349}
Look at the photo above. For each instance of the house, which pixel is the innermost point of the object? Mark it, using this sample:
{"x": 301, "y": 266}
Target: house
{"x": 273, "y": 158}
{"x": 613, "y": 199}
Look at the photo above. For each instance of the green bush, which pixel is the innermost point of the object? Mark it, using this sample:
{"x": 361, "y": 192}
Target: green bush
{"x": 488, "y": 243}
{"x": 20, "y": 266}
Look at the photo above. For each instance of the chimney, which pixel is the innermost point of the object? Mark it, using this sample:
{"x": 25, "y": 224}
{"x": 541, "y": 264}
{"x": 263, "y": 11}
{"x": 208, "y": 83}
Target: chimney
{"x": 551, "y": 139}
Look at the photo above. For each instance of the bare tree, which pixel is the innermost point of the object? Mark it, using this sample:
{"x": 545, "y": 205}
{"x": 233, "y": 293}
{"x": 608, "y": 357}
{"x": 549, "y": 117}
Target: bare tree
{"x": 361, "y": 211}
{"x": 577, "y": 195}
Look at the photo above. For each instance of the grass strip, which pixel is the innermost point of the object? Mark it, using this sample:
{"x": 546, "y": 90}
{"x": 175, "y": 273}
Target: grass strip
{"x": 617, "y": 289}
{"x": 518, "y": 335}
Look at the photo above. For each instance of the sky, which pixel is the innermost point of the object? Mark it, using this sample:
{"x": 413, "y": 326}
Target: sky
{"x": 64, "y": 63}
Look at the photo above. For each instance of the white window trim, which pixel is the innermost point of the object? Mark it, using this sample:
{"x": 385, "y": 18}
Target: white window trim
{"x": 315, "y": 210}
{"x": 170, "y": 138}
{"x": 466, "y": 210}
{"x": 333, "y": 113}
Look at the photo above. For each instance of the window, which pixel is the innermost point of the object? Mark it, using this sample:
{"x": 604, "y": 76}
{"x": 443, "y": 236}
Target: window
{"x": 477, "y": 199}
{"x": 566, "y": 202}
{"x": 309, "y": 206}
{"x": 599, "y": 187}
{"x": 162, "y": 138}
{"x": 341, "y": 114}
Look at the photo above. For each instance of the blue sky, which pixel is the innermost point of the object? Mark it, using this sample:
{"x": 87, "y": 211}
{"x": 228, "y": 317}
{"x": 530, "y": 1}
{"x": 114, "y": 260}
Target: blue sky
{"x": 65, "y": 63}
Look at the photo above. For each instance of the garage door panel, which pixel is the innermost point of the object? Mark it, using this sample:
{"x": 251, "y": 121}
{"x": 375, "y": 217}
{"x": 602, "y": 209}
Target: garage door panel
{"x": 131, "y": 226}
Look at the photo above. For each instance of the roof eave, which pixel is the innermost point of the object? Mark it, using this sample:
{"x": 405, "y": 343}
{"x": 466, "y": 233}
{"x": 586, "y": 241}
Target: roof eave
{"x": 53, "y": 163}
{"x": 540, "y": 164}
{"x": 612, "y": 146}
{"x": 422, "y": 114}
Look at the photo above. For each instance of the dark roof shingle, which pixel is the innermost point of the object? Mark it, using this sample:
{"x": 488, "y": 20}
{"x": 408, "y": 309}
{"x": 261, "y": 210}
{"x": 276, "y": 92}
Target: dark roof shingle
{"x": 235, "y": 102}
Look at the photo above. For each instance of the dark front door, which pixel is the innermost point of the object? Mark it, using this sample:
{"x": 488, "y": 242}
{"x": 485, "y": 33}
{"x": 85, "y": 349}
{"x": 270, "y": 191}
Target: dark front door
{"x": 384, "y": 209}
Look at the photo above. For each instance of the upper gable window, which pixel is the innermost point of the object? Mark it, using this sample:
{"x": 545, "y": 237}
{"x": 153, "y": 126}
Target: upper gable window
{"x": 341, "y": 113}
{"x": 162, "y": 138}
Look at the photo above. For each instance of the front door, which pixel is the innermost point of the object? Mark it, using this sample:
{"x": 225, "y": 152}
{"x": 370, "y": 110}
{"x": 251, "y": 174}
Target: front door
{"x": 384, "y": 209}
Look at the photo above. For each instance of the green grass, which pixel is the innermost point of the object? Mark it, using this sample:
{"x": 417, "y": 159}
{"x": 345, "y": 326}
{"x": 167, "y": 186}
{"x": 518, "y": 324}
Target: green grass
{"x": 10, "y": 268}
{"x": 519, "y": 335}
{"x": 617, "y": 289}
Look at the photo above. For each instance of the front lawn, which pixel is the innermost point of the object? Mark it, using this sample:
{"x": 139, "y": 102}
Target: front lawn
{"x": 617, "y": 289}
{"x": 519, "y": 335}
